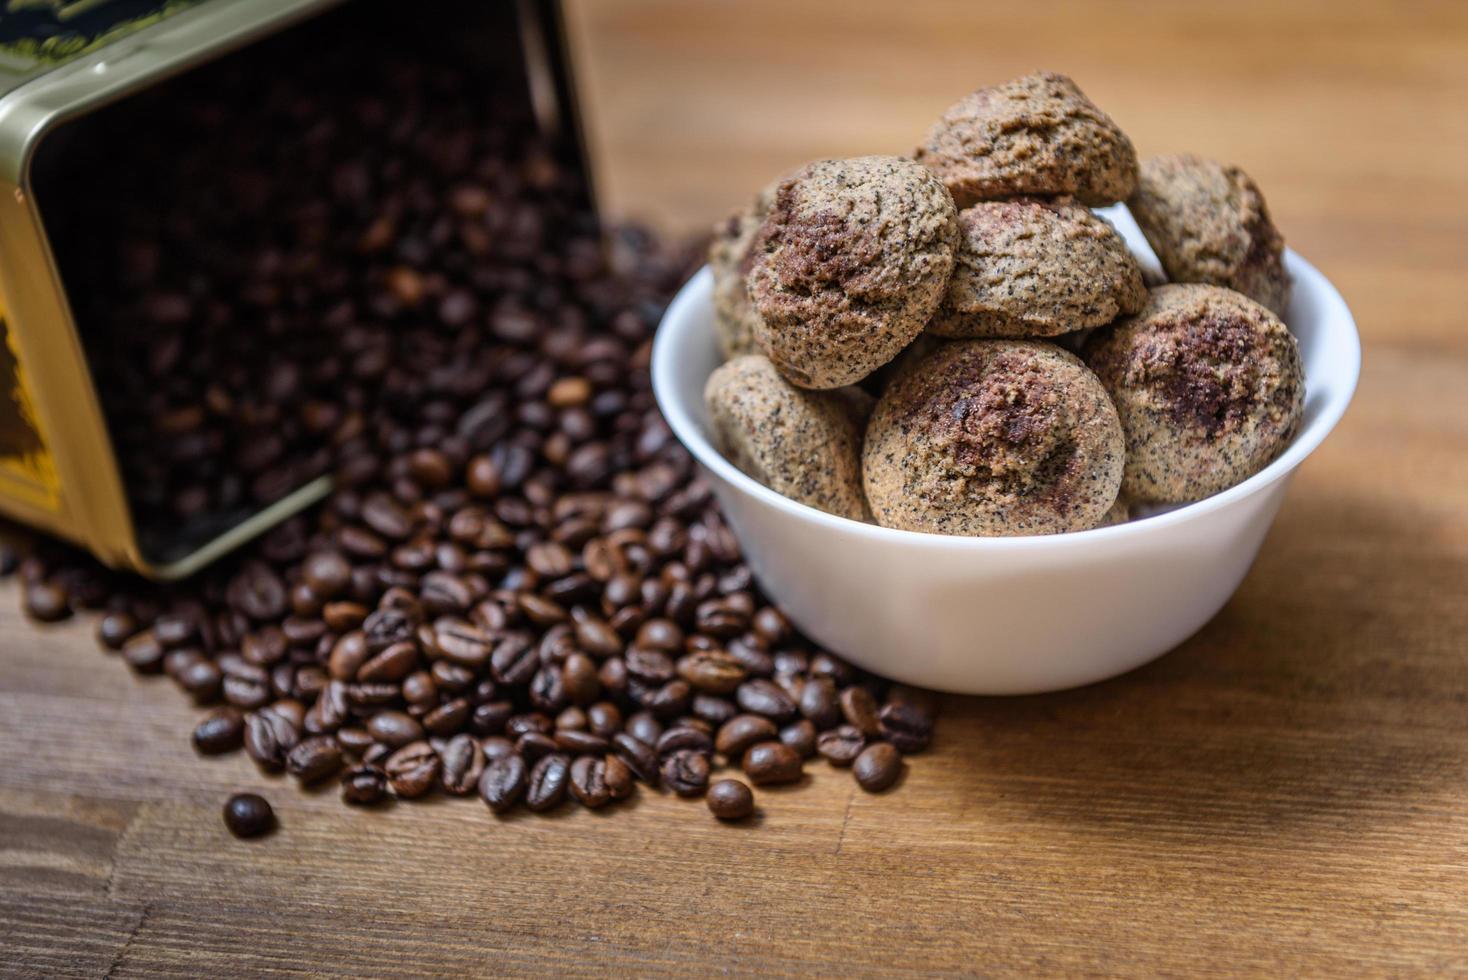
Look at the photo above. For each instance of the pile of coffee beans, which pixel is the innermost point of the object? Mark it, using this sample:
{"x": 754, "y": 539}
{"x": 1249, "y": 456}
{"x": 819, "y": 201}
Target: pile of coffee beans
{"x": 519, "y": 588}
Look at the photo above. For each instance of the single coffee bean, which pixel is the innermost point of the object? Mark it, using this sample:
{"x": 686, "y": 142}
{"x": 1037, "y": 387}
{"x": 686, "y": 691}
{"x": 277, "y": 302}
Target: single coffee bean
{"x": 859, "y": 709}
{"x": 548, "y": 783}
{"x": 907, "y": 725}
{"x": 638, "y": 755}
{"x": 682, "y": 737}
{"x": 772, "y": 762}
{"x": 248, "y": 815}
{"x": 503, "y": 783}
{"x": 589, "y": 781}
{"x": 46, "y": 602}
{"x": 620, "y": 780}
{"x": 604, "y": 719}
{"x": 412, "y": 770}
{"x": 762, "y": 697}
{"x": 364, "y": 786}
{"x": 201, "y": 679}
{"x": 644, "y": 727}
{"x": 394, "y": 728}
{"x": 313, "y": 759}
{"x": 463, "y": 765}
{"x": 711, "y": 671}
{"x": 114, "y": 629}
{"x": 269, "y": 735}
{"x": 740, "y": 732}
{"x": 580, "y": 743}
{"x": 819, "y": 702}
{"x": 800, "y": 736}
{"x": 686, "y": 772}
{"x": 534, "y": 746}
{"x": 729, "y": 799}
{"x": 714, "y": 710}
{"x": 223, "y": 730}
{"x": 877, "y": 767}
{"x": 841, "y": 745}
{"x": 144, "y": 653}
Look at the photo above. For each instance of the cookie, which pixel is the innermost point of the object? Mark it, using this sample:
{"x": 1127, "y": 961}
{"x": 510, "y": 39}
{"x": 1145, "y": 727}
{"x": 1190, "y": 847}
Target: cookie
{"x": 1034, "y": 268}
{"x": 730, "y": 259}
{"x": 1208, "y": 223}
{"x": 1119, "y": 513}
{"x": 1209, "y": 387}
{"x": 849, "y": 265}
{"x": 1035, "y": 135}
{"x": 803, "y": 444}
{"x": 993, "y": 437}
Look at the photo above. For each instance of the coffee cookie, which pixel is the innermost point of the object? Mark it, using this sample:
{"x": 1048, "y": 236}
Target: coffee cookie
{"x": 1035, "y": 135}
{"x": 1033, "y": 268}
{"x": 730, "y": 259}
{"x": 803, "y": 444}
{"x": 849, "y": 265}
{"x": 1208, "y": 223}
{"x": 1209, "y": 387}
{"x": 993, "y": 437}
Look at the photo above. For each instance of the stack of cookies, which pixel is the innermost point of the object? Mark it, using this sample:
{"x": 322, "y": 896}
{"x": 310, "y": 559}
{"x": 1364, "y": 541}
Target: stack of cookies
{"x": 955, "y": 343}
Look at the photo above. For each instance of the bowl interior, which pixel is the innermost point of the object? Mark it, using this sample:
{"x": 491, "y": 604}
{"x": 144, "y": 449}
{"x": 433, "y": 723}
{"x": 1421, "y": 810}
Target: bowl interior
{"x": 685, "y": 354}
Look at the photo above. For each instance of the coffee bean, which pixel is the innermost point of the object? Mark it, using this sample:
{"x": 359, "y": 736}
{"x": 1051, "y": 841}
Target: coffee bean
{"x": 313, "y": 759}
{"x": 578, "y": 743}
{"x": 327, "y": 573}
{"x": 604, "y": 719}
{"x": 549, "y": 780}
{"x": 713, "y": 710}
{"x": 638, "y": 756}
{"x": 800, "y": 736}
{"x": 144, "y": 653}
{"x": 644, "y": 727}
{"x": 46, "y": 602}
{"x": 223, "y": 730}
{"x": 589, "y": 781}
{"x": 762, "y": 697}
{"x": 619, "y": 777}
{"x": 686, "y": 772}
{"x": 534, "y": 746}
{"x": 908, "y": 726}
{"x": 729, "y": 799}
{"x": 859, "y": 709}
{"x": 394, "y": 728}
{"x": 772, "y": 762}
{"x": 114, "y": 629}
{"x": 819, "y": 702}
{"x": 711, "y": 671}
{"x": 515, "y": 661}
{"x": 683, "y": 737}
{"x": 412, "y": 770}
{"x": 463, "y": 765}
{"x": 248, "y": 815}
{"x": 841, "y": 745}
{"x": 269, "y": 735}
{"x": 877, "y": 767}
{"x": 201, "y": 679}
{"x": 740, "y": 732}
{"x": 503, "y": 783}
{"x": 364, "y": 786}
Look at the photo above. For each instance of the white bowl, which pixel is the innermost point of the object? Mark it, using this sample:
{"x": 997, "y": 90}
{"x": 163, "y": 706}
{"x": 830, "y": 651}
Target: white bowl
{"x": 1006, "y": 615}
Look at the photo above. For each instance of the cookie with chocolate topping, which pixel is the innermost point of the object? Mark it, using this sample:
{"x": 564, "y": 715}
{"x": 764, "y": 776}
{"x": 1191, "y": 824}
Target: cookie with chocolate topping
{"x": 803, "y": 444}
{"x": 1034, "y": 135}
{"x": 1208, "y": 223}
{"x": 993, "y": 438}
{"x": 1209, "y": 387}
{"x": 848, "y": 266}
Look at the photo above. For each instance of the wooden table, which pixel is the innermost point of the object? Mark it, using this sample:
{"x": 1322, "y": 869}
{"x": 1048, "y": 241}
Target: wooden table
{"x": 1287, "y": 793}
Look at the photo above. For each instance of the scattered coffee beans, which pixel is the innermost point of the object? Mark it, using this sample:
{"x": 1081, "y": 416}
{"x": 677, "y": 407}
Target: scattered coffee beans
{"x": 519, "y": 585}
{"x": 248, "y": 815}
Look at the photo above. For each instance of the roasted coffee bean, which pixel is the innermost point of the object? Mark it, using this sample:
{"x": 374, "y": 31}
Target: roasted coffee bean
{"x": 620, "y": 779}
{"x": 596, "y": 637}
{"x": 729, "y": 799}
{"x": 144, "y": 653}
{"x": 859, "y": 709}
{"x": 772, "y": 762}
{"x": 589, "y": 781}
{"x": 114, "y": 629}
{"x": 877, "y": 767}
{"x": 604, "y": 719}
{"x": 579, "y": 743}
{"x": 503, "y": 783}
{"x": 364, "y": 786}
{"x": 201, "y": 679}
{"x": 800, "y": 736}
{"x": 762, "y": 697}
{"x": 248, "y": 815}
{"x": 686, "y": 772}
{"x": 463, "y": 765}
{"x": 392, "y": 664}
{"x": 825, "y": 665}
{"x": 394, "y": 728}
{"x": 326, "y": 573}
{"x": 711, "y": 671}
{"x": 640, "y": 757}
{"x": 515, "y": 660}
{"x": 771, "y": 626}
{"x": 496, "y": 747}
{"x": 908, "y": 726}
{"x": 820, "y": 703}
{"x": 257, "y": 591}
{"x": 660, "y": 634}
{"x": 740, "y": 732}
{"x": 535, "y": 746}
{"x": 223, "y": 730}
{"x": 644, "y": 727}
{"x": 841, "y": 745}
{"x": 412, "y": 770}
{"x": 713, "y": 710}
{"x": 530, "y": 721}
{"x": 549, "y": 780}
{"x": 313, "y": 759}
{"x": 547, "y": 692}
{"x": 354, "y": 741}
{"x": 269, "y": 735}
{"x": 682, "y": 738}
{"x": 448, "y": 717}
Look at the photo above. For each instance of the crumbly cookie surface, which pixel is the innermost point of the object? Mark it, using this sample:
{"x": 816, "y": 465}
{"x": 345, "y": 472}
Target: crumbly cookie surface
{"x": 1209, "y": 386}
{"x": 849, "y": 265}
{"x": 993, "y": 438}
{"x": 730, "y": 259}
{"x": 1208, "y": 223}
{"x": 803, "y": 444}
{"x": 1034, "y": 135}
{"x": 1035, "y": 268}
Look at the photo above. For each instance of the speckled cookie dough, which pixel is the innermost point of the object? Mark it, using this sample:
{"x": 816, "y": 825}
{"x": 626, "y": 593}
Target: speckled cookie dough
{"x": 1034, "y": 268}
{"x": 730, "y": 259}
{"x": 849, "y": 265}
{"x": 993, "y": 437}
{"x": 1035, "y": 135}
{"x": 1208, "y": 223}
{"x": 1118, "y": 513}
{"x": 803, "y": 444}
{"x": 1209, "y": 387}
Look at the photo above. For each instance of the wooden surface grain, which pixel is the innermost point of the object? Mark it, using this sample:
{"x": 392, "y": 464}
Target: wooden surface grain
{"x": 1287, "y": 793}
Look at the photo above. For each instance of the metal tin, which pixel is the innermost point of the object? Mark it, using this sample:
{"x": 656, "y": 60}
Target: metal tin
{"x": 58, "y": 468}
